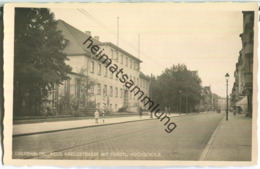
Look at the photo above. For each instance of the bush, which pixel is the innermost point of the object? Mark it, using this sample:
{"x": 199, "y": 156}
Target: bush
{"x": 122, "y": 109}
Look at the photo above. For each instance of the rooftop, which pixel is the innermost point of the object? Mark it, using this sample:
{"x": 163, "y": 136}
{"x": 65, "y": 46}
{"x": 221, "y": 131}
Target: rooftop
{"x": 143, "y": 76}
{"x": 75, "y": 39}
{"x": 121, "y": 50}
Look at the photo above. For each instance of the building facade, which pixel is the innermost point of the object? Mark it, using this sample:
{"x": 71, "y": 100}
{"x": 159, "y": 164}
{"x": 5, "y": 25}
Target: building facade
{"x": 241, "y": 97}
{"x": 103, "y": 89}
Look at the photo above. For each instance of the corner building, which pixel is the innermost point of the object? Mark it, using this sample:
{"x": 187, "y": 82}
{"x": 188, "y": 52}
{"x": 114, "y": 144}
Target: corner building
{"x": 241, "y": 97}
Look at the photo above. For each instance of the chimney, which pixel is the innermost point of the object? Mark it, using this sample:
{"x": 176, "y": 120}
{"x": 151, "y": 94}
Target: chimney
{"x": 96, "y": 37}
{"x": 88, "y": 33}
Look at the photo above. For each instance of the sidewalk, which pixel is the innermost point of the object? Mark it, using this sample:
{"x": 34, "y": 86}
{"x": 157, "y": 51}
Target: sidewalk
{"x": 44, "y": 127}
{"x": 231, "y": 141}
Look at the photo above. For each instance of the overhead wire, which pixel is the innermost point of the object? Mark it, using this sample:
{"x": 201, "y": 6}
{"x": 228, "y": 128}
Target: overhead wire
{"x": 87, "y": 14}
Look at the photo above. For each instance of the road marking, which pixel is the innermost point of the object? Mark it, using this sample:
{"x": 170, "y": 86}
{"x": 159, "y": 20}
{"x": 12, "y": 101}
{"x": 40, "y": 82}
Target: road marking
{"x": 206, "y": 151}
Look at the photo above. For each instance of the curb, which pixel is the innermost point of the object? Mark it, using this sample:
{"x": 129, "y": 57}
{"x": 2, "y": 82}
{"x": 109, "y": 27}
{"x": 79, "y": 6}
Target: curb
{"x": 207, "y": 149}
{"x": 74, "y": 128}
{"x": 82, "y": 127}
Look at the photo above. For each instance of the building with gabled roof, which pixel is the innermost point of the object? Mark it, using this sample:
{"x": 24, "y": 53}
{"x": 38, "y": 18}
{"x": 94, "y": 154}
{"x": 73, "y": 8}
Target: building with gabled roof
{"x": 105, "y": 90}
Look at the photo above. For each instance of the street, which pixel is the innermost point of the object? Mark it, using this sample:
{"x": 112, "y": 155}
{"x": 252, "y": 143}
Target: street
{"x": 141, "y": 140}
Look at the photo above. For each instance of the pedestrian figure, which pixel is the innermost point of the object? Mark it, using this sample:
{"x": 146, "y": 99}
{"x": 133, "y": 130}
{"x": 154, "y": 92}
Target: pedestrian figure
{"x": 140, "y": 112}
{"x": 96, "y": 114}
{"x": 166, "y": 110}
{"x": 234, "y": 112}
{"x": 103, "y": 116}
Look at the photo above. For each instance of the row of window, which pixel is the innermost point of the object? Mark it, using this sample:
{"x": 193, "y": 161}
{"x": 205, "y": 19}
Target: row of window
{"x": 105, "y": 90}
{"x": 113, "y": 92}
{"x": 124, "y": 60}
{"x": 143, "y": 83}
{"x": 110, "y": 107}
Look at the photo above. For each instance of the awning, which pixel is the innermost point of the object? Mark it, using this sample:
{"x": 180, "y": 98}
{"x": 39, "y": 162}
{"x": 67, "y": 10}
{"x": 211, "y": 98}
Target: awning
{"x": 242, "y": 102}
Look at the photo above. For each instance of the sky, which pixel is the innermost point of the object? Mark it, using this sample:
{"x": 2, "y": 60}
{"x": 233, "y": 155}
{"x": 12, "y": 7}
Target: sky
{"x": 205, "y": 39}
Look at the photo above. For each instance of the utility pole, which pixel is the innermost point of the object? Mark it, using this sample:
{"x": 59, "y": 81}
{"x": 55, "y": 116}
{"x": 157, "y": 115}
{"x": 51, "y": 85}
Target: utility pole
{"x": 227, "y": 77}
{"x": 186, "y": 105}
{"x": 117, "y": 31}
{"x": 180, "y": 101}
{"x": 151, "y": 94}
{"x": 138, "y": 46}
{"x": 227, "y": 103}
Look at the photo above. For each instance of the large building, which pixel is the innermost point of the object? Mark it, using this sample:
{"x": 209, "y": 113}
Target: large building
{"x": 104, "y": 89}
{"x": 241, "y": 97}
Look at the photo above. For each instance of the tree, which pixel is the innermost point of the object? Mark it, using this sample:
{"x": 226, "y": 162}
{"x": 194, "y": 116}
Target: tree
{"x": 177, "y": 83}
{"x": 84, "y": 98}
{"x": 38, "y": 59}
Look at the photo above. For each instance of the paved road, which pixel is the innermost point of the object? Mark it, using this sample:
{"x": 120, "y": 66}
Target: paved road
{"x": 141, "y": 140}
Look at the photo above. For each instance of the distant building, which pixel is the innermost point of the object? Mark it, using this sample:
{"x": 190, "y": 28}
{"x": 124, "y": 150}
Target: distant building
{"x": 206, "y": 102}
{"x": 106, "y": 91}
{"x": 222, "y": 103}
{"x": 241, "y": 97}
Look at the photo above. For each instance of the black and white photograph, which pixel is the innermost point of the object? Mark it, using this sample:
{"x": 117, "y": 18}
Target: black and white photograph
{"x": 149, "y": 83}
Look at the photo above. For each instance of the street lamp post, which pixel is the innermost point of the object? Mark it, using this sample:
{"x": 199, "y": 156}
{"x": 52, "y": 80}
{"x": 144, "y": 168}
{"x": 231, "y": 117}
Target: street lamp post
{"x": 151, "y": 94}
{"x": 186, "y": 105}
{"x": 180, "y": 101}
{"x": 227, "y": 77}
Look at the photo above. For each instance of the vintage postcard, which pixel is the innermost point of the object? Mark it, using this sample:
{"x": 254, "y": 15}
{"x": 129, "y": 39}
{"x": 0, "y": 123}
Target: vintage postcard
{"x": 130, "y": 84}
